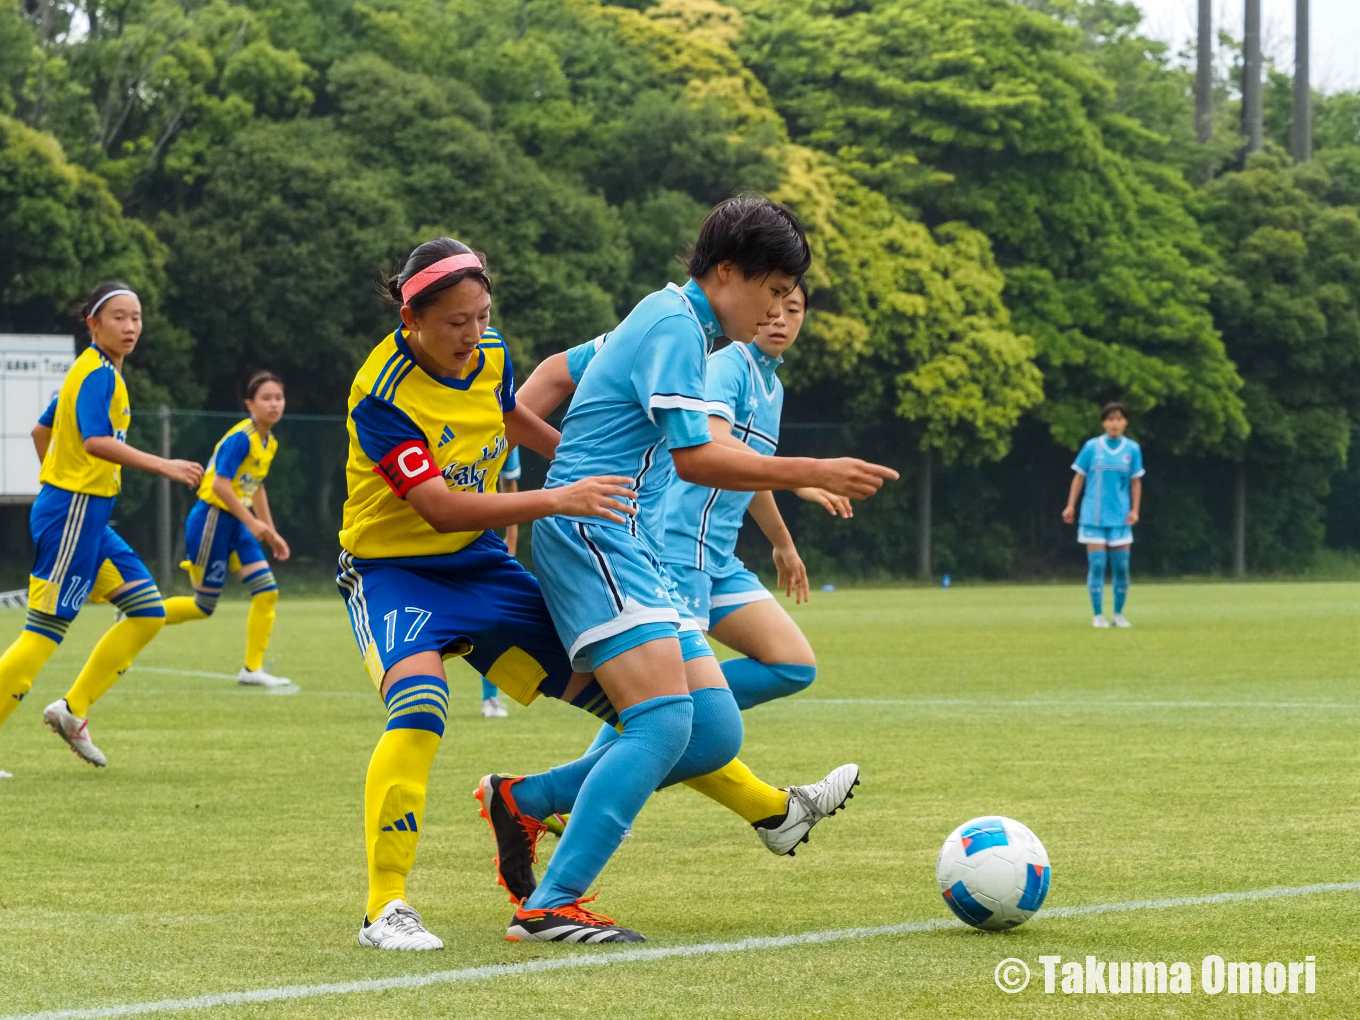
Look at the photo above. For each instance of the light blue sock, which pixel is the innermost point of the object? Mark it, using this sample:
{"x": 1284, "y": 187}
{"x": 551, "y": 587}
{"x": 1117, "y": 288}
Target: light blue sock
{"x": 604, "y": 738}
{"x": 488, "y": 689}
{"x": 714, "y": 738}
{"x": 554, "y": 792}
{"x": 754, "y": 683}
{"x": 655, "y": 734}
{"x": 1119, "y": 568}
{"x": 1095, "y": 577}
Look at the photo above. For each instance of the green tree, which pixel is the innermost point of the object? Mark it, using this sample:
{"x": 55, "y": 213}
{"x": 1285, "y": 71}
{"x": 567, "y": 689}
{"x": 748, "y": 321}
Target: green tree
{"x": 64, "y": 232}
{"x": 985, "y": 112}
{"x": 1288, "y": 303}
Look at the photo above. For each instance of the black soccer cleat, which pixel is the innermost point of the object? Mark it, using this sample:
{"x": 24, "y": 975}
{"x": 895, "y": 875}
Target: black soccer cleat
{"x": 570, "y": 923}
{"x": 516, "y": 834}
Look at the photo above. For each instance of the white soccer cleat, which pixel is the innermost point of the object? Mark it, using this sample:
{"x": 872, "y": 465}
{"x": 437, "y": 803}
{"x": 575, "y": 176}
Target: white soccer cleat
{"x": 807, "y": 806}
{"x": 74, "y": 730}
{"x": 1099, "y": 622}
{"x": 494, "y": 708}
{"x": 399, "y": 927}
{"x": 259, "y": 678}
{"x": 1120, "y": 620}
{"x": 6, "y": 775}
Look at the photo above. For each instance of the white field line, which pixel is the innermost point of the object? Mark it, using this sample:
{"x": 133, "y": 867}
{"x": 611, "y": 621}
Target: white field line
{"x": 1089, "y": 703}
{"x": 602, "y": 957}
{"x": 169, "y": 671}
{"x": 1086, "y": 703}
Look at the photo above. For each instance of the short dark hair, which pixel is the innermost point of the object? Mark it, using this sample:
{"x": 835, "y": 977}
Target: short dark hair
{"x": 259, "y": 379}
{"x": 1113, "y": 407}
{"x": 802, "y": 285}
{"x": 425, "y": 256}
{"x": 757, "y": 235}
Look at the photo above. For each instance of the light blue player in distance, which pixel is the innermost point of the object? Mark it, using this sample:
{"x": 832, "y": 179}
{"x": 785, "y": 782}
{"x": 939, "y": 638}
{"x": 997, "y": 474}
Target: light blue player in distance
{"x": 1110, "y": 469}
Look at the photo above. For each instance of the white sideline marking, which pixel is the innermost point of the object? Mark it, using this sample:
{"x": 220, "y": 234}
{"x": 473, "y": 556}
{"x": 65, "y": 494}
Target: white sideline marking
{"x": 1071, "y": 703}
{"x": 181, "y": 672}
{"x": 602, "y": 958}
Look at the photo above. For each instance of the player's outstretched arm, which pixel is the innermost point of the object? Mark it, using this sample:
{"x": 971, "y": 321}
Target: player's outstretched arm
{"x": 829, "y": 501}
{"x": 547, "y": 387}
{"x": 447, "y": 510}
{"x": 116, "y": 452}
{"x": 718, "y": 467}
{"x": 524, "y": 427}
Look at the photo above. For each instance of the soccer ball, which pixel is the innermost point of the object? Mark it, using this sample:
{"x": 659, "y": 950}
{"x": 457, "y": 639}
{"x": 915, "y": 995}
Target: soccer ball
{"x": 993, "y": 873}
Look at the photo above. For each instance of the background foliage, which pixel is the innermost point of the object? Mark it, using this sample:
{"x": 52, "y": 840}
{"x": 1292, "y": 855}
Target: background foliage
{"x": 1011, "y": 218}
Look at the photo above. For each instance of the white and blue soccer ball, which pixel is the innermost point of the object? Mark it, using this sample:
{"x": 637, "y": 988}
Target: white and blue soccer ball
{"x": 993, "y": 873}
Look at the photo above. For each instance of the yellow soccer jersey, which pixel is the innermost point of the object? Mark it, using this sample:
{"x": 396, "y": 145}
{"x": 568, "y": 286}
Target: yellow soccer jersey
{"x": 244, "y": 456}
{"x": 406, "y": 426}
{"x": 93, "y": 402}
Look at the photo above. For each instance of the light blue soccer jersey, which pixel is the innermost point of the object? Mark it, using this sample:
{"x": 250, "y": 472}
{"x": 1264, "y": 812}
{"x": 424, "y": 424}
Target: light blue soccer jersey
{"x": 702, "y": 523}
{"x": 642, "y": 397}
{"x": 1108, "y": 471}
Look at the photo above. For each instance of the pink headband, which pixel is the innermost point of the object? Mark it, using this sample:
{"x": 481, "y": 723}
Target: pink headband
{"x": 442, "y": 268}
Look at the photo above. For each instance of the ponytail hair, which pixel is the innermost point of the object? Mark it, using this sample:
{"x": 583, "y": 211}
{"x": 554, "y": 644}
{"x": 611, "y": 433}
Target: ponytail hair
{"x": 422, "y": 258}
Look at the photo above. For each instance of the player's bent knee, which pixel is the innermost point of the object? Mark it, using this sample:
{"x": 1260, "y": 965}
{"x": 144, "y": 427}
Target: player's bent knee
{"x": 418, "y": 702}
{"x": 206, "y": 601}
{"x": 798, "y": 676}
{"x": 715, "y": 735}
{"x": 261, "y": 584}
{"x": 142, "y": 601}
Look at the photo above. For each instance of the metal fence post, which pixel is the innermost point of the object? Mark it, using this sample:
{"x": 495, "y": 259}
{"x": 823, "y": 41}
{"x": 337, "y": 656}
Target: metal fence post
{"x": 163, "y": 528}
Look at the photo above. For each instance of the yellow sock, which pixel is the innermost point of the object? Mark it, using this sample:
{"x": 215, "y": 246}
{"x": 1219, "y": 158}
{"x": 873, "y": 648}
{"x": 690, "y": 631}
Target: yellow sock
{"x": 736, "y": 788}
{"x": 394, "y": 792}
{"x": 259, "y": 625}
{"x": 110, "y": 658}
{"x": 19, "y": 666}
{"x": 394, "y": 795}
{"x": 183, "y": 609}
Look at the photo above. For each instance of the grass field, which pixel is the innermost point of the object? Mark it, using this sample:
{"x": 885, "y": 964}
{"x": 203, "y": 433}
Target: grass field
{"x": 1213, "y": 749}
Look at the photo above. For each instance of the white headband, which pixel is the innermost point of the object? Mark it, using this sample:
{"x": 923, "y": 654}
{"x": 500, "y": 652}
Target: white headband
{"x": 111, "y": 294}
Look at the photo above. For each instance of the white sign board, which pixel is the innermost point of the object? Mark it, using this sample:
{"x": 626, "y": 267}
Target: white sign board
{"x": 32, "y": 368}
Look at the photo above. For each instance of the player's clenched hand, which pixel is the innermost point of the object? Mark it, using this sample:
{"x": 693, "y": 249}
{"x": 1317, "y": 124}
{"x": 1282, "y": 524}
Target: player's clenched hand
{"x": 792, "y": 573}
{"x": 1069, "y": 514}
{"x": 602, "y": 496}
{"x": 280, "y": 547}
{"x": 184, "y": 471}
{"x": 854, "y": 478}
{"x": 835, "y": 505}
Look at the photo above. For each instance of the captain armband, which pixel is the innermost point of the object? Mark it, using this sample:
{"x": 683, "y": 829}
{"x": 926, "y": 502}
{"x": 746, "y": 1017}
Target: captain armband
{"x": 406, "y": 466}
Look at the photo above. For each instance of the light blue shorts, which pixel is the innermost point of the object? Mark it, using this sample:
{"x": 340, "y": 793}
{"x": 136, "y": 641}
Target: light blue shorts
{"x": 607, "y": 593}
{"x": 1112, "y": 537}
{"x": 711, "y": 598}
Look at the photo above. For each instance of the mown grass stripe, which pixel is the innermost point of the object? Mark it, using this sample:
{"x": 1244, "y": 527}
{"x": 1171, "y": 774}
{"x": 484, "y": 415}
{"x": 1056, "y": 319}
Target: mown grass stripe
{"x": 603, "y": 957}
